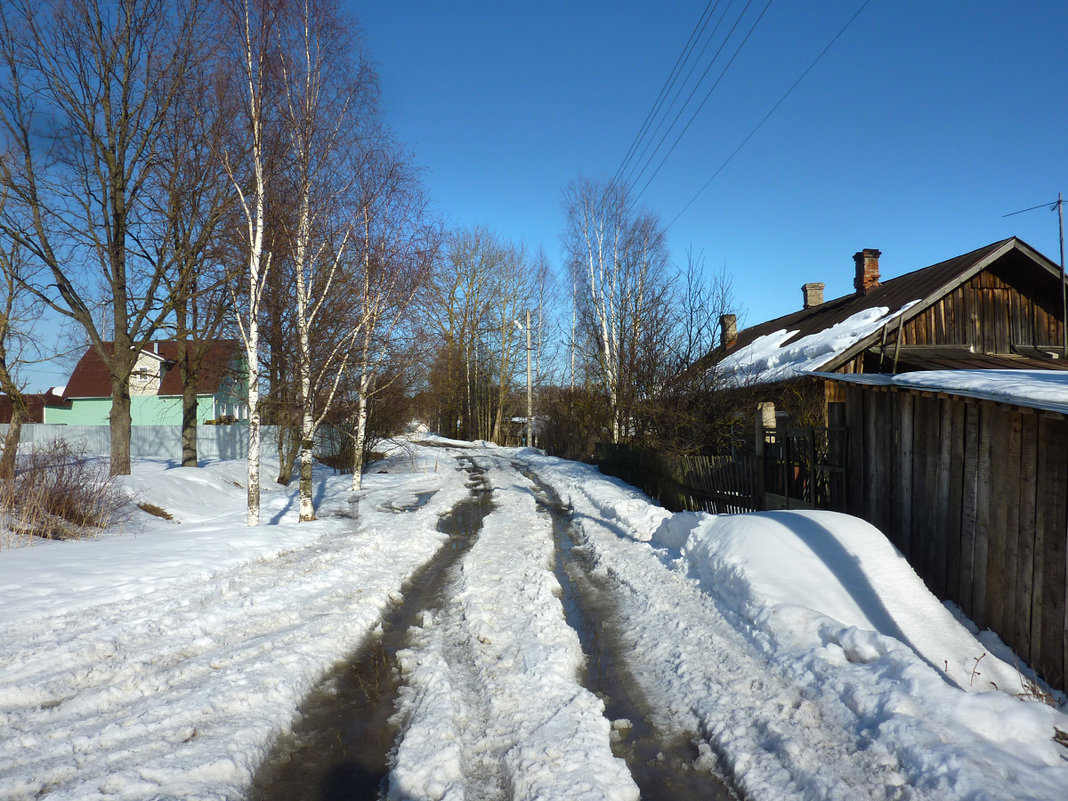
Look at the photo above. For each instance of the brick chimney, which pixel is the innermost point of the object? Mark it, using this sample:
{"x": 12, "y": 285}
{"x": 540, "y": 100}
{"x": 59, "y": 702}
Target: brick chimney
{"x": 867, "y": 276}
{"x": 728, "y": 329}
{"x": 813, "y": 294}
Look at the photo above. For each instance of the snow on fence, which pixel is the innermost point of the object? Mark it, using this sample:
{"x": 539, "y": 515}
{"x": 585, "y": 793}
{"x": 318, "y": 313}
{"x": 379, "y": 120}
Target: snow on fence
{"x": 157, "y": 442}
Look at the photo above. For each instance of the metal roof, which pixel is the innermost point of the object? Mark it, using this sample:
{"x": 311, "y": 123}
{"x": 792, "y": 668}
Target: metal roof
{"x": 91, "y": 378}
{"x": 926, "y": 285}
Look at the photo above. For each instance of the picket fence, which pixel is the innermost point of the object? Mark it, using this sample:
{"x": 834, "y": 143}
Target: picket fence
{"x": 158, "y": 442}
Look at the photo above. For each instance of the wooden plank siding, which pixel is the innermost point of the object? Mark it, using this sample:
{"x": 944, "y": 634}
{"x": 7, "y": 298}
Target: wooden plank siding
{"x": 993, "y": 312}
{"x": 975, "y": 494}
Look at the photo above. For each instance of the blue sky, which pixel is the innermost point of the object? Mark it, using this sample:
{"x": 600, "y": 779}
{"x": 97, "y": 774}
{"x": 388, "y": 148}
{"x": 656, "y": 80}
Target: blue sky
{"x": 922, "y": 126}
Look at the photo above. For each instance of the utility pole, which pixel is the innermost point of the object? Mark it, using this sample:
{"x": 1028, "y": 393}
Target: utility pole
{"x": 530, "y": 391}
{"x": 530, "y": 384}
{"x": 1064, "y": 284}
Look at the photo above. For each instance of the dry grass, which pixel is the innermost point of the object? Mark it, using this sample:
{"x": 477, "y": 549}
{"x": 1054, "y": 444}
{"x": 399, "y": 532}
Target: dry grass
{"x": 59, "y": 493}
{"x": 1034, "y": 691}
{"x": 152, "y": 509}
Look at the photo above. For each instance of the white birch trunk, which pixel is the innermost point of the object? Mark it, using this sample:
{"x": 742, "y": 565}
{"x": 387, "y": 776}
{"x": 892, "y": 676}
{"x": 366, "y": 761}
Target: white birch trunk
{"x": 307, "y": 418}
{"x": 256, "y": 269}
{"x": 361, "y": 431}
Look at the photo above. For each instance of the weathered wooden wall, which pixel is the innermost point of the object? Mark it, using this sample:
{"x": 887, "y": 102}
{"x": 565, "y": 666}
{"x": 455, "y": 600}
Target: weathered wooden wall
{"x": 975, "y": 494}
{"x": 992, "y": 312}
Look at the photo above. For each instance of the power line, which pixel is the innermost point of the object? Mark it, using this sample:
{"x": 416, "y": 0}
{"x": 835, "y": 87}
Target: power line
{"x": 780, "y": 101}
{"x": 695, "y": 34}
{"x": 682, "y": 85}
{"x": 706, "y": 97}
{"x": 1053, "y": 204}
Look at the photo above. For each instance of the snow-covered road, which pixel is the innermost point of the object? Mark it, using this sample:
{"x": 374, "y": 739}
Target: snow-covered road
{"x": 796, "y": 651}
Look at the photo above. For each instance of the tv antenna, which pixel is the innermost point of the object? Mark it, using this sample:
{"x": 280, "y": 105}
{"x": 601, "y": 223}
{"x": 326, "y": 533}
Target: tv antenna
{"x": 1057, "y": 204}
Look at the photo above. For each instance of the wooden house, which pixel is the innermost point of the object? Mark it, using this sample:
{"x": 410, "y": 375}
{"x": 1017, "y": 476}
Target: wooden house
{"x": 998, "y": 307}
{"x": 969, "y": 482}
{"x": 35, "y": 405}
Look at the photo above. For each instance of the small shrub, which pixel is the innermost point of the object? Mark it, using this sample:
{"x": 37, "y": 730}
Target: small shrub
{"x": 59, "y": 493}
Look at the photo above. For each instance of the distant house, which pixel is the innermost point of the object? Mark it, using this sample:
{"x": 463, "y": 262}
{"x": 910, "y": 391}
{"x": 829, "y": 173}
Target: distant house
{"x": 156, "y": 388}
{"x": 35, "y": 406}
{"x": 998, "y": 307}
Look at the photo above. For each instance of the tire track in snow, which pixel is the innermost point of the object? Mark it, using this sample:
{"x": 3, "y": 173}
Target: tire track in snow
{"x": 704, "y": 677}
{"x": 493, "y": 708}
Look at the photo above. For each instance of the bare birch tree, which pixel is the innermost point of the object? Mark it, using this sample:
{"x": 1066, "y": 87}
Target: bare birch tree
{"x": 329, "y": 112}
{"x": 398, "y": 243}
{"x": 458, "y": 305}
{"x": 514, "y": 294}
{"x": 251, "y": 24}
{"x": 618, "y": 262}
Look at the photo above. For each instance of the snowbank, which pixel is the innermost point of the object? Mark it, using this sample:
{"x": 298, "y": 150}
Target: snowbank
{"x": 858, "y": 662}
{"x": 162, "y": 662}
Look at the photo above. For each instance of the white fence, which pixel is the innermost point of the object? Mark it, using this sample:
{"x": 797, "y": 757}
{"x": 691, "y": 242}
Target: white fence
{"x": 159, "y": 442}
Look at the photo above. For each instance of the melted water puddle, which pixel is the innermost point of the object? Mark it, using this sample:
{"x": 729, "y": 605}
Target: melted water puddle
{"x": 339, "y": 750}
{"x": 663, "y": 769}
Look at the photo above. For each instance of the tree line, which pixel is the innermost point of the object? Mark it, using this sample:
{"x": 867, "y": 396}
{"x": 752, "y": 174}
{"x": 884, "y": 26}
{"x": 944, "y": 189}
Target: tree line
{"x": 205, "y": 169}
{"x": 212, "y": 168}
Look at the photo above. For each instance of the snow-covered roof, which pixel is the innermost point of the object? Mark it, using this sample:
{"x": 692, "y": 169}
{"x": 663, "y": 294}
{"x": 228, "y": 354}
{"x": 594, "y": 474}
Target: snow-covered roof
{"x": 773, "y": 357}
{"x": 828, "y": 335}
{"x": 1035, "y": 389}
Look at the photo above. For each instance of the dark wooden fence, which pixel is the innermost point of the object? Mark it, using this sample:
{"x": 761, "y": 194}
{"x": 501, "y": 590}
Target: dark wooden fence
{"x": 804, "y": 467}
{"x": 975, "y": 494}
{"x": 721, "y": 485}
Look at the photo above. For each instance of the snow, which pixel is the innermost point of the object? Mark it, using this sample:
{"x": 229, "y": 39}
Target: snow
{"x": 808, "y": 654}
{"x": 797, "y": 650}
{"x": 163, "y": 662}
{"x": 774, "y": 357}
{"x": 493, "y": 676}
{"x": 1039, "y": 389}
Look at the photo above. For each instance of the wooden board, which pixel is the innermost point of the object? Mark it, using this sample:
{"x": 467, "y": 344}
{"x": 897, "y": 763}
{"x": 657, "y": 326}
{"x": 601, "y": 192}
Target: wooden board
{"x": 1002, "y": 434}
{"x": 1025, "y": 555}
{"x": 905, "y": 405}
{"x": 983, "y": 498}
{"x": 953, "y": 470}
{"x": 969, "y": 505}
{"x": 1052, "y": 488}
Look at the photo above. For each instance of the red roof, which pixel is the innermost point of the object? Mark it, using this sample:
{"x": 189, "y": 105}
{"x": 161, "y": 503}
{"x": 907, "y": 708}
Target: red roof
{"x": 35, "y": 404}
{"x": 91, "y": 378}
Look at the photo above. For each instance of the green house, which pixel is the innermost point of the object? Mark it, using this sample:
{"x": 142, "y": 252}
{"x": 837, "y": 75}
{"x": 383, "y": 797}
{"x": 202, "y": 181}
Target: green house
{"x": 156, "y": 388}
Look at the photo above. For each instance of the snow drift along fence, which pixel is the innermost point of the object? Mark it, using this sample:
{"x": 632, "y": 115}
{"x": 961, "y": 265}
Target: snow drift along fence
{"x": 975, "y": 495}
{"x": 721, "y": 485}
